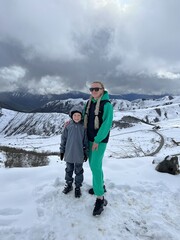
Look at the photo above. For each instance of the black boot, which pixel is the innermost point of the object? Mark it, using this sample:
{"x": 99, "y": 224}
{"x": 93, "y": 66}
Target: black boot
{"x": 99, "y": 206}
{"x": 67, "y": 188}
{"x": 91, "y": 191}
{"x": 77, "y": 192}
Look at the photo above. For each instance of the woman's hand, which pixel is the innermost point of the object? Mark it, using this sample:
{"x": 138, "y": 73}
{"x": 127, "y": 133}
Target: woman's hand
{"x": 66, "y": 123}
{"x": 95, "y": 146}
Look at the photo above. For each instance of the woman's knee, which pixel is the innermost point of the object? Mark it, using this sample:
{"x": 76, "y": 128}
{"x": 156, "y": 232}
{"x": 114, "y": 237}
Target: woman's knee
{"x": 96, "y": 170}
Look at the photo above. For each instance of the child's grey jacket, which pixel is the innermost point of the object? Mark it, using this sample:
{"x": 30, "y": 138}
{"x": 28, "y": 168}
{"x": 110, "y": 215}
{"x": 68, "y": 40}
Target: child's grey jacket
{"x": 74, "y": 142}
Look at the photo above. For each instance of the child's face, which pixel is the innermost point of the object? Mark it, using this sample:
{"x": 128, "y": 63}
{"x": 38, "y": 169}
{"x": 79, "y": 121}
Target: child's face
{"x": 76, "y": 117}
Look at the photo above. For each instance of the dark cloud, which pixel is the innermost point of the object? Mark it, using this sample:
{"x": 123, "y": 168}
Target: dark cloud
{"x": 11, "y": 53}
{"x": 131, "y": 46}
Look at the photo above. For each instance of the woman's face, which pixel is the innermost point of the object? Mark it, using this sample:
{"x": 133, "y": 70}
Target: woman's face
{"x": 96, "y": 90}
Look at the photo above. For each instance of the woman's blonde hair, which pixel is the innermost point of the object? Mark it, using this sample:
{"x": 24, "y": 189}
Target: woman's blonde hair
{"x": 102, "y": 85}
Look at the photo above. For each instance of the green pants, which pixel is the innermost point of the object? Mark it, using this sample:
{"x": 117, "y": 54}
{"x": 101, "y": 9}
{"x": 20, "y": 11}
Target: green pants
{"x": 95, "y": 162}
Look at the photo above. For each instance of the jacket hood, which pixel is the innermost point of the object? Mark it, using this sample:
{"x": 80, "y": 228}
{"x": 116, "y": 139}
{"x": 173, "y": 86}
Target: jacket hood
{"x": 76, "y": 108}
{"x": 105, "y": 96}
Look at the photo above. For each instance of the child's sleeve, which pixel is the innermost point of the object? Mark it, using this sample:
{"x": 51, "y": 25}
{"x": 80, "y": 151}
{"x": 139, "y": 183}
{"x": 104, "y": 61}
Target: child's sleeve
{"x": 63, "y": 140}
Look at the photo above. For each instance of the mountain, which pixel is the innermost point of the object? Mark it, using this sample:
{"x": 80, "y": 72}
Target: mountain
{"x": 134, "y": 96}
{"x": 126, "y": 114}
{"x": 26, "y": 102}
{"x": 64, "y": 106}
{"x": 60, "y": 106}
{"x": 44, "y": 124}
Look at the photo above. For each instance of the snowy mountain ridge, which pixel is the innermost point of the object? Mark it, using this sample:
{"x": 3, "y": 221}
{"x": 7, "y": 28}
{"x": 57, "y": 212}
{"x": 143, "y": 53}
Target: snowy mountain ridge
{"x": 24, "y": 101}
{"x": 48, "y": 124}
{"x": 119, "y": 104}
{"x": 44, "y": 124}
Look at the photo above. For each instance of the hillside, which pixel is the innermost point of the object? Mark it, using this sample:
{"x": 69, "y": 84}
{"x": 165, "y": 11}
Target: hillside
{"x": 126, "y": 114}
{"x": 27, "y": 102}
{"x": 44, "y": 124}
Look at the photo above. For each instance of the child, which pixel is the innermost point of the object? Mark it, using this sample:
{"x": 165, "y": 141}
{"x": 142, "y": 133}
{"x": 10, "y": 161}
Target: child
{"x": 74, "y": 148}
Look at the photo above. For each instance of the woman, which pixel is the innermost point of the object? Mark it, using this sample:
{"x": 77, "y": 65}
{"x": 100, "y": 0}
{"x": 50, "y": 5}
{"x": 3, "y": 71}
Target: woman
{"x": 98, "y": 121}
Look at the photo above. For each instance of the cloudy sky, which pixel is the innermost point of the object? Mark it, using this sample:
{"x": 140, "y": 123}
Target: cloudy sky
{"x": 53, "y": 46}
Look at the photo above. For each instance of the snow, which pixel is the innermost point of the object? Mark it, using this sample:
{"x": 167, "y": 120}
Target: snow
{"x": 143, "y": 204}
{"x": 7, "y": 115}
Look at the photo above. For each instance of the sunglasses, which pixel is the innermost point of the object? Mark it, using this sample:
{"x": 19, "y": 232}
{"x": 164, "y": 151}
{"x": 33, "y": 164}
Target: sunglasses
{"x": 96, "y": 89}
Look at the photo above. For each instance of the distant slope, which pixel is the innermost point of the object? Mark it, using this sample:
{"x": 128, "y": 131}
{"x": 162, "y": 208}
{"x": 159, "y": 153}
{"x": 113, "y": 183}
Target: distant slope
{"x": 60, "y": 106}
{"x": 26, "y": 102}
{"x": 64, "y": 106}
{"x": 126, "y": 114}
{"x": 149, "y": 111}
{"x": 44, "y": 124}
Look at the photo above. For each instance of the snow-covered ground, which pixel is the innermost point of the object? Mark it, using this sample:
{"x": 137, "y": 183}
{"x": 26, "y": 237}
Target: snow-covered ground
{"x": 142, "y": 203}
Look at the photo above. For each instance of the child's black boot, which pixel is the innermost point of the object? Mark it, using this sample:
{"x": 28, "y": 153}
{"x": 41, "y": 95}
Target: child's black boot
{"x": 67, "y": 188}
{"x": 77, "y": 192}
